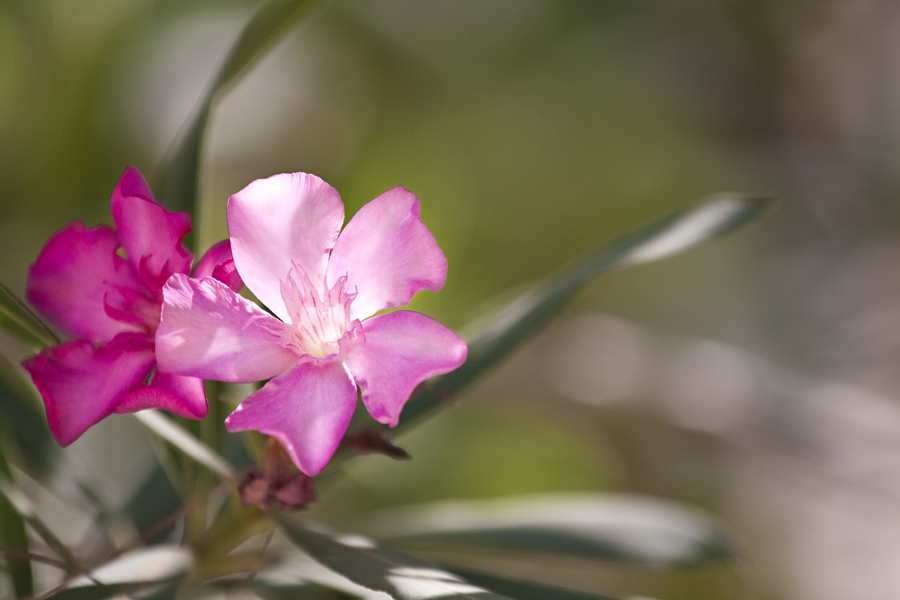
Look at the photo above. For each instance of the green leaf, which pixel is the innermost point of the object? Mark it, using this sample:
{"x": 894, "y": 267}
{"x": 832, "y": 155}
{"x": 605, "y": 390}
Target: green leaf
{"x": 522, "y": 590}
{"x": 167, "y": 590}
{"x": 177, "y": 183}
{"x": 20, "y": 322}
{"x": 506, "y": 329}
{"x": 154, "y": 500}
{"x": 156, "y": 571}
{"x": 362, "y": 561}
{"x": 26, "y": 509}
{"x": 611, "y": 527}
{"x": 24, "y": 421}
{"x": 176, "y": 435}
{"x": 271, "y": 591}
{"x": 14, "y": 536}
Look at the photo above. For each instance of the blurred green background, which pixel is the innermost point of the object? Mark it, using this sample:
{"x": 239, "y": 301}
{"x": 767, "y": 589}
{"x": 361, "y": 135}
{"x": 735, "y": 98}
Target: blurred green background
{"x": 756, "y": 377}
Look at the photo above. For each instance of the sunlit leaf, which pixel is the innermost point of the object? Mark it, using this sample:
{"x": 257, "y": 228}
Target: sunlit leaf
{"x": 177, "y": 182}
{"x": 20, "y": 322}
{"x": 362, "y": 561}
{"x": 504, "y": 330}
{"x": 522, "y": 590}
{"x": 176, "y": 435}
{"x": 271, "y": 591}
{"x": 611, "y": 527}
{"x": 26, "y": 509}
{"x": 158, "y": 591}
{"x": 155, "y": 570}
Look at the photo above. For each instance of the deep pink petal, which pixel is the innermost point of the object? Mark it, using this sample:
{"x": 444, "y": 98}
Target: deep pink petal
{"x": 74, "y": 273}
{"x": 217, "y": 254}
{"x": 150, "y": 234}
{"x": 307, "y": 409}
{"x": 274, "y": 222}
{"x": 387, "y": 254}
{"x": 183, "y": 396}
{"x": 208, "y": 331}
{"x": 81, "y": 384}
{"x": 401, "y": 350}
{"x": 218, "y": 263}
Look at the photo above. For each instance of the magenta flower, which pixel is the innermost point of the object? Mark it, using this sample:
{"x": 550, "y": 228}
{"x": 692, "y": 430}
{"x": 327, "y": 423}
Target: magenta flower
{"x": 324, "y": 288}
{"x": 111, "y": 304}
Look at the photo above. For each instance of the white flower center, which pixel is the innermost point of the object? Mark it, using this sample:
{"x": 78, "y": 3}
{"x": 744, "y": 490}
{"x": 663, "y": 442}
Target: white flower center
{"x": 317, "y": 323}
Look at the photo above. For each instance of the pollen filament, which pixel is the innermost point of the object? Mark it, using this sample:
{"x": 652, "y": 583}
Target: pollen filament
{"x": 318, "y": 321}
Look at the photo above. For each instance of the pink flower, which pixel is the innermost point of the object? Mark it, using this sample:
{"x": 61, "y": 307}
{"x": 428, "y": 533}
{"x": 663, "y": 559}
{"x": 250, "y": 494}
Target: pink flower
{"x": 324, "y": 288}
{"x": 82, "y": 284}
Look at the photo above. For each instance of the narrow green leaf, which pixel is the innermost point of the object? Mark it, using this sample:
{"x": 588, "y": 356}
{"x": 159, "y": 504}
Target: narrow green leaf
{"x": 13, "y": 536}
{"x": 166, "y": 591}
{"x": 95, "y": 592}
{"x": 177, "y": 184}
{"x": 20, "y": 322}
{"x": 271, "y": 20}
{"x": 25, "y": 508}
{"x": 156, "y": 571}
{"x": 522, "y": 590}
{"x": 24, "y": 421}
{"x": 176, "y": 435}
{"x": 506, "y": 329}
{"x": 362, "y": 561}
{"x": 271, "y": 591}
{"x": 610, "y": 527}
{"x": 154, "y": 500}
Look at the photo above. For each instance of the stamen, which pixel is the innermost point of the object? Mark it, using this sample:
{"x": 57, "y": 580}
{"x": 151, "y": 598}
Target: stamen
{"x": 318, "y": 322}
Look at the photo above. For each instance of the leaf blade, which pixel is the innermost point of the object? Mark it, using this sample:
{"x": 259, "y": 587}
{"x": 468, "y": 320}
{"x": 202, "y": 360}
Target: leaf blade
{"x": 14, "y": 536}
{"x": 610, "y": 527}
{"x": 21, "y": 323}
{"x": 177, "y": 182}
{"x": 519, "y": 589}
{"x": 524, "y": 316}
{"x": 176, "y": 435}
{"x": 382, "y": 569}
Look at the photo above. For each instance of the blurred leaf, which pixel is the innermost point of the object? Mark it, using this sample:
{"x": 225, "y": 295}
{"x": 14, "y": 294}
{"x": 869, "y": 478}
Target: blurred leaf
{"x": 503, "y": 331}
{"x": 613, "y": 527}
{"x": 156, "y": 569}
{"x": 271, "y": 591}
{"x": 13, "y": 536}
{"x": 24, "y": 420}
{"x": 167, "y": 590}
{"x": 176, "y": 435}
{"x": 23, "y": 505}
{"x": 20, "y": 322}
{"x": 153, "y": 501}
{"x": 178, "y": 181}
{"x": 362, "y": 561}
{"x": 522, "y": 590}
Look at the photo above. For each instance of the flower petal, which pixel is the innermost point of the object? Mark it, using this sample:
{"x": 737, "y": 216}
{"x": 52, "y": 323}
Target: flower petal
{"x": 401, "y": 350}
{"x": 307, "y": 409}
{"x": 183, "y": 396}
{"x": 150, "y": 234}
{"x": 217, "y": 254}
{"x": 387, "y": 254}
{"x": 218, "y": 263}
{"x": 208, "y": 331}
{"x": 73, "y": 274}
{"x": 81, "y": 384}
{"x": 274, "y": 222}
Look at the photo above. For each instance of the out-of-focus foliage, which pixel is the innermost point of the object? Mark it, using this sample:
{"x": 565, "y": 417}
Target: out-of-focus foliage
{"x": 756, "y": 377}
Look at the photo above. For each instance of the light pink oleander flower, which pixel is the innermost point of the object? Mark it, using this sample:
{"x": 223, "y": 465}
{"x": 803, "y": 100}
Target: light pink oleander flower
{"x": 111, "y": 303}
{"x": 324, "y": 288}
